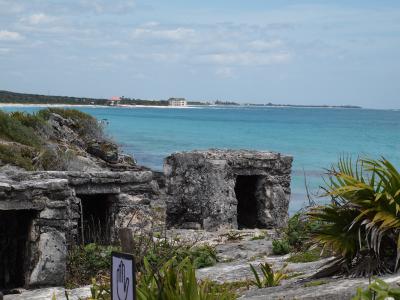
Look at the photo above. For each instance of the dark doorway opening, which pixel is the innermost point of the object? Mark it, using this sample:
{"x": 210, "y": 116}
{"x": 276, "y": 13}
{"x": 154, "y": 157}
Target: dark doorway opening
{"x": 96, "y": 220}
{"x": 245, "y": 190}
{"x": 15, "y": 226}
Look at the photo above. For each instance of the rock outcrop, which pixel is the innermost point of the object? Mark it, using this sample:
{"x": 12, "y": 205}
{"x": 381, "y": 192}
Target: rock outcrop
{"x": 227, "y": 189}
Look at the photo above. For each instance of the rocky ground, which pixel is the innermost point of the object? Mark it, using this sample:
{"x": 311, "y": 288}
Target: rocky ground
{"x": 236, "y": 250}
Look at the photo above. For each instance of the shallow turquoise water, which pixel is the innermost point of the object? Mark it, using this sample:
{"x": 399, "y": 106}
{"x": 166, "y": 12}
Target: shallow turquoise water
{"x": 315, "y": 137}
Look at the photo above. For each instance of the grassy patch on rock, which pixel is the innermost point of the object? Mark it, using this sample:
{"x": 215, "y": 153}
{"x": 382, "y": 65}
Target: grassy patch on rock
{"x": 305, "y": 256}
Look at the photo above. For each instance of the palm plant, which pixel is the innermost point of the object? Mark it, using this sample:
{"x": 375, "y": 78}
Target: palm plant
{"x": 270, "y": 277}
{"x": 361, "y": 225}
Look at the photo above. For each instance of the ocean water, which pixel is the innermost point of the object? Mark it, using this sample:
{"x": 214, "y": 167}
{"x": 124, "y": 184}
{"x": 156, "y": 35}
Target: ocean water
{"x": 315, "y": 137}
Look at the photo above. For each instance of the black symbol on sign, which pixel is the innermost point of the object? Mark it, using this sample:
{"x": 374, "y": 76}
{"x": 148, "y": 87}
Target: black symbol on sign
{"x": 122, "y": 282}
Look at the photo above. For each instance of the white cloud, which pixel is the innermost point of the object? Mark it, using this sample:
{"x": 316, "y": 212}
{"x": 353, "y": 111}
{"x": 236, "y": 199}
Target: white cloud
{"x": 175, "y": 34}
{"x": 107, "y": 6}
{"x": 39, "y": 18}
{"x": 6, "y": 35}
{"x": 247, "y": 58}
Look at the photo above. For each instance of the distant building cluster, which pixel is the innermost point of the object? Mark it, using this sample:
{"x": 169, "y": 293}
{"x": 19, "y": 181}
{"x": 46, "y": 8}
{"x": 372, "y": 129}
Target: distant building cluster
{"x": 177, "y": 102}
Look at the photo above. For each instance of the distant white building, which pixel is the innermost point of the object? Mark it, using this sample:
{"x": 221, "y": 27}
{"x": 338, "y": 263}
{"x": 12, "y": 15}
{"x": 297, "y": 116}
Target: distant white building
{"x": 114, "y": 100}
{"x": 177, "y": 102}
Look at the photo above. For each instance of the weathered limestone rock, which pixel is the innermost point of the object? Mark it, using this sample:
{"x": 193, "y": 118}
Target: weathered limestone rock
{"x": 227, "y": 189}
{"x": 51, "y": 267}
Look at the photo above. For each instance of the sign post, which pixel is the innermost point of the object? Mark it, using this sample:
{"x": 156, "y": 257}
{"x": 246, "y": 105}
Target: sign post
{"x": 123, "y": 280}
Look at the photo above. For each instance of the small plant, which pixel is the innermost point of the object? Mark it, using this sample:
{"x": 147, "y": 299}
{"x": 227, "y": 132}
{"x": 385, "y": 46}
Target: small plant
{"x": 270, "y": 278}
{"x": 378, "y": 290}
{"x": 280, "y": 247}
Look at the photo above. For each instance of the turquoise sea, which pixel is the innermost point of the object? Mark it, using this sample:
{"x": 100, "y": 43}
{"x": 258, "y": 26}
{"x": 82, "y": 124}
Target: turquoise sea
{"x": 316, "y": 137}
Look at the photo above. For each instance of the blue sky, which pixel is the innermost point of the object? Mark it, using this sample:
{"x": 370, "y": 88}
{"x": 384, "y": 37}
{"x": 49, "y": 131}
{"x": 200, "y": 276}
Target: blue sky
{"x": 298, "y": 52}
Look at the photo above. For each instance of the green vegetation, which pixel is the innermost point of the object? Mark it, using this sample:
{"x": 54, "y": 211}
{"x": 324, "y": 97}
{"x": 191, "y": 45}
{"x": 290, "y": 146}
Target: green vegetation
{"x": 173, "y": 281}
{"x": 315, "y": 283}
{"x": 295, "y": 239}
{"x": 29, "y": 142}
{"x": 361, "y": 226}
{"x": 305, "y": 256}
{"x": 280, "y": 247}
{"x": 269, "y": 278}
{"x": 378, "y": 290}
{"x": 87, "y": 262}
{"x": 258, "y": 237}
{"x": 12, "y": 130}
{"x": 177, "y": 281}
{"x": 18, "y": 156}
{"x": 11, "y": 97}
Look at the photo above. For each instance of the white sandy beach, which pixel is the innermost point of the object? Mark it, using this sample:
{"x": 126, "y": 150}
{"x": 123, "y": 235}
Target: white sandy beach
{"x": 91, "y": 105}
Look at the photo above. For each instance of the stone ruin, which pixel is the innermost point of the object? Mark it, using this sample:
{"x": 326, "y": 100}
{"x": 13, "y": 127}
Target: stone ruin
{"x": 227, "y": 189}
{"x": 44, "y": 214}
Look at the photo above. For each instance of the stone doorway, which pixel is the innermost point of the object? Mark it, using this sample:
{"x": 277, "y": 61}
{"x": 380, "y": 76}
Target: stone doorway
{"x": 96, "y": 222}
{"x": 15, "y": 247}
{"x": 248, "y": 203}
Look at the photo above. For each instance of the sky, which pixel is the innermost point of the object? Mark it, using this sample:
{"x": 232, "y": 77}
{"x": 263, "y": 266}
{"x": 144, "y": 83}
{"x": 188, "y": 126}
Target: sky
{"x": 342, "y": 52}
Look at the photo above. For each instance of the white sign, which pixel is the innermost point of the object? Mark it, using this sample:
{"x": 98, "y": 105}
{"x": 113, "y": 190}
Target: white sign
{"x": 122, "y": 277}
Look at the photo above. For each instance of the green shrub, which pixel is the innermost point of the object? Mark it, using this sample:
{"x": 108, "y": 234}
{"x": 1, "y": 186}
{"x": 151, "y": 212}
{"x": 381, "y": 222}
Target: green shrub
{"x": 12, "y": 129}
{"x": 87, "y": 262}
{"x": 270, "y": 278}
{"x": 376, "y": 291}
{"x": 202, "y": 256}
{"x": 33, "y": 120}
{"x": 362, "y": 224}
{"x": 17, "y": 156}
{"x": 280, "y": 247}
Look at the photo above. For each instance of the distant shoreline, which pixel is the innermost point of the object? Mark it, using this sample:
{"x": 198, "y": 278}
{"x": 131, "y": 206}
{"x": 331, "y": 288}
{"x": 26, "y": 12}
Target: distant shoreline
{"x": 10, "y": 99}
{"x": 170, "y": 107}
{"x": 88, "y": 105}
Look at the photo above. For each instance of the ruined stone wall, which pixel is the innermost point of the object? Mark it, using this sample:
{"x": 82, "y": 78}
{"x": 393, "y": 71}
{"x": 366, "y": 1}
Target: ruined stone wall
{"x": 53, "y": 202}
{"x": 200, "y": 188}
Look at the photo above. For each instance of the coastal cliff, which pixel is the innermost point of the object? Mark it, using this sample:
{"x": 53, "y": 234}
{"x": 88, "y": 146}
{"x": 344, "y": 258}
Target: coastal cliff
{"x": 59, "y": 139}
